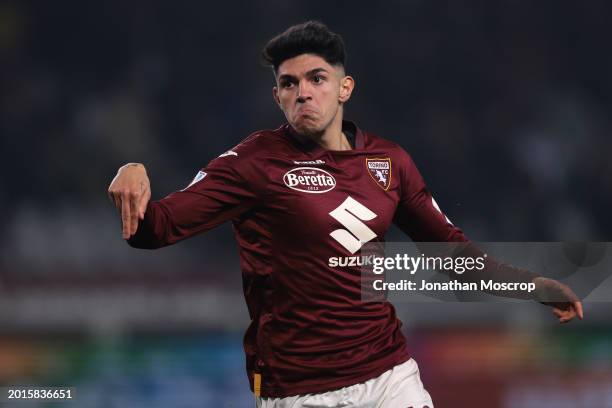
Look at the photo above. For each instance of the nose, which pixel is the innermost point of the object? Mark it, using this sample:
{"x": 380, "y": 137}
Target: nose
{"x": 303, "y": 91}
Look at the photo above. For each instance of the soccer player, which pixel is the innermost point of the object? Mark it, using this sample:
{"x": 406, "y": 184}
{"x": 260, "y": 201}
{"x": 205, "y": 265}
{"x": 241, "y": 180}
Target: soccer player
{"x": 303, "y": 200}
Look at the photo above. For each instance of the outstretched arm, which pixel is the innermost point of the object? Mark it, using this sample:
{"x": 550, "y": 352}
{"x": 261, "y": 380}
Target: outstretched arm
{"x": 419, "y": 216}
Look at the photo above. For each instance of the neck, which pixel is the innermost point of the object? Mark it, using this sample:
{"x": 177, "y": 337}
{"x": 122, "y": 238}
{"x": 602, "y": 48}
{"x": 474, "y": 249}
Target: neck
{"x": 332, "y": 137}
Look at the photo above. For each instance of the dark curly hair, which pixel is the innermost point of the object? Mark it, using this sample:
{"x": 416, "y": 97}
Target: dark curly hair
{"x": 311, "y": 37}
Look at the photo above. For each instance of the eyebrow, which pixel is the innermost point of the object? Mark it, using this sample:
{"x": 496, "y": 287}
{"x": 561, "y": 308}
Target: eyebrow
{"x": 308, "y": 74}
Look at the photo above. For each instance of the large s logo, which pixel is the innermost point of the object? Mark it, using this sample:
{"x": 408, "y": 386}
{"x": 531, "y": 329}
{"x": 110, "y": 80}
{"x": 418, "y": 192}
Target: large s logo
{"x": 351, "y": 214}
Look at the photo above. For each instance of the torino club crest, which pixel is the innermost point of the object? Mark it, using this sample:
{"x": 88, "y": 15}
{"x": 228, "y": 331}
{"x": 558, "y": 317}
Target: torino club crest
{"x": 380, "y": 171}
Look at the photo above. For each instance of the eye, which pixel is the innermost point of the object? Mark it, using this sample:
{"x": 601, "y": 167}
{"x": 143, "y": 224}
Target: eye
{"x": 286, "y": 83}
{"x": 317, "y": 79}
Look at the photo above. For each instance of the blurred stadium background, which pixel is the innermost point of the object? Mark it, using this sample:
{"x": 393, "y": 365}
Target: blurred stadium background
{"x": 504, "y": 105}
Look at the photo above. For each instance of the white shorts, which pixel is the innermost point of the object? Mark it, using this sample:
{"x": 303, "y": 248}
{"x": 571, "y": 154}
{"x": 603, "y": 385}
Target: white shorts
{"x": 399, "y": 387}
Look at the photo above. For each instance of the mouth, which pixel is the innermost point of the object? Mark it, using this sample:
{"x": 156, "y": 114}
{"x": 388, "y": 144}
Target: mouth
{"x": 306, "y": 114}
{"x": 305, "y": 110}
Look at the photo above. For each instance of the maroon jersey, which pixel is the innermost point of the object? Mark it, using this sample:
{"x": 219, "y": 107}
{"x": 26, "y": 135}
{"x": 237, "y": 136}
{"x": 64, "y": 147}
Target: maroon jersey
{"x": 299, "y": 213}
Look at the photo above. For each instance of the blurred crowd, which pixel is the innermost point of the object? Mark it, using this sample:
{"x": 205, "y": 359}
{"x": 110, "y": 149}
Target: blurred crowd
{"x": 503, "y": 105}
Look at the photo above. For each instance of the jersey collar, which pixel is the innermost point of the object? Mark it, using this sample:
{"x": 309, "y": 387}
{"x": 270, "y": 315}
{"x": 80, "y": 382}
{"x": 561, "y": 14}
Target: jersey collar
{"x": 310, "y": 146}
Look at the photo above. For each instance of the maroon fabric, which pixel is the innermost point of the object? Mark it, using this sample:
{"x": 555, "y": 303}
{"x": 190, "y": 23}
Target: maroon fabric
{"x": 310, "y": 332}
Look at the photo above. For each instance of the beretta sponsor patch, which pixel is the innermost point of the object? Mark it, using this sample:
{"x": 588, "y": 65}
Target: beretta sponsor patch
{"x": 380, "y": 171}
{"x": 309, "y": 180}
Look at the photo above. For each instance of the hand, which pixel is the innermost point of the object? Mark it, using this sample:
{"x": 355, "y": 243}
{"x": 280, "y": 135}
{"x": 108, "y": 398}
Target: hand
{"x": 560, "y": 297}
{"x": 130, "y": 191}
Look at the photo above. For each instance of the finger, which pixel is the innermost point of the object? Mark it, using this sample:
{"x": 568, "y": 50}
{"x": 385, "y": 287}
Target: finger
{"x": 561, "y": 314}
{"x": 578, "y": 308}
{"x": 117, "y": 202}
{"x": 142, "y": 208}
{"x": 133, "y": 213}
{"x": 125, "y": 215}
{"x": 113, "y": 194}
{"x": 567, "y": 316}
{"x": 557, "y": 312}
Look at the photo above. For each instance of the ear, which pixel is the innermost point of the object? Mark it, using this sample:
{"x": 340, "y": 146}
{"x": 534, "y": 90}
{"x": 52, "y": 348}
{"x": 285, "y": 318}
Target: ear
{"x": 275, "y": 96}
{"x": 347, "y": 84}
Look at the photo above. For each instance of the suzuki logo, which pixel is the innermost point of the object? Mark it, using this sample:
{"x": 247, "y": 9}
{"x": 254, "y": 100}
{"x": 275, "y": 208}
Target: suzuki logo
{"x": 351, "y": 214}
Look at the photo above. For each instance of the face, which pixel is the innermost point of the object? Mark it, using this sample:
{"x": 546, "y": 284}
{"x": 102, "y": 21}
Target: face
{"x": 311, "y": 92}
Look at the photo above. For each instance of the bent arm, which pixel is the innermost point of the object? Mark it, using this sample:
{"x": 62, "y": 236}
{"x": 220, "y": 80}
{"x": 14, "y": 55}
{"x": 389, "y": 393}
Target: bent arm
{"x": 220, "y": 195}
{"x": 217, "y": 194}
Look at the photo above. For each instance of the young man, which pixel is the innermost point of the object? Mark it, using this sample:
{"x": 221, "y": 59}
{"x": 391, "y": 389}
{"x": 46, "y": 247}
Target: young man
{"x": 302, "y": 198}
